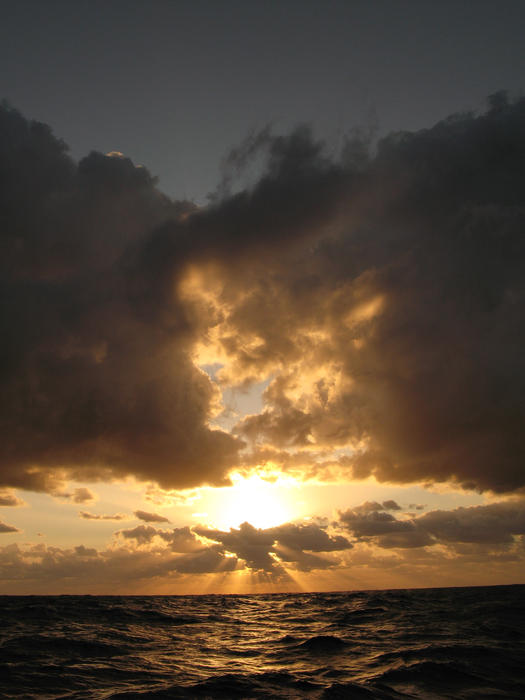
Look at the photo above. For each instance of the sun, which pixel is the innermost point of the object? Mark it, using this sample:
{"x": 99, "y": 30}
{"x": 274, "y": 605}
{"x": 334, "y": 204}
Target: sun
{"x": 255, "y": 500}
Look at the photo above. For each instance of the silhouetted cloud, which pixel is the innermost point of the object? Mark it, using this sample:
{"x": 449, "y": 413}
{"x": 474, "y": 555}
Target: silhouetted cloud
{"x": 53, "y": 566}
{"x": 142, "y": 534}
{"x": 492, "y": 524}
{"x": 311, "y": 537}
{"x": 384, "y": 529}
{"x": 469, "y": 540}
{"x": 391, "y": 505}
{"x": 150, "y": 517}
{"x": 289, "y": 543}
{"x": 8, "y": 528}
{"x": 179, "y": 539}
{"x": 374, "y": 506}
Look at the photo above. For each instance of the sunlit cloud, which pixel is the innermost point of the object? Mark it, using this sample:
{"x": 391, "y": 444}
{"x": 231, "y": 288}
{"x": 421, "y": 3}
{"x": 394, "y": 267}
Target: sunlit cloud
{"x": 79, "y": 495}
{"x": 85, "y": 515}
{"x": 8, "y": 498}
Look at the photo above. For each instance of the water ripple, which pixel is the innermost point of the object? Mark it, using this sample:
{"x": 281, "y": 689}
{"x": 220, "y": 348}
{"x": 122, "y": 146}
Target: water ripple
{"x": 445, "y": 643}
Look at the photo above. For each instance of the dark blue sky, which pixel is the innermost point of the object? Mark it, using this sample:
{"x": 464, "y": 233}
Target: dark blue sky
{"x": 175, "y": 84}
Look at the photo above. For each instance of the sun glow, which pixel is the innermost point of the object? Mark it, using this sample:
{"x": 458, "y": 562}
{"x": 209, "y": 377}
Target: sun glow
{"x": 255, "y": 500}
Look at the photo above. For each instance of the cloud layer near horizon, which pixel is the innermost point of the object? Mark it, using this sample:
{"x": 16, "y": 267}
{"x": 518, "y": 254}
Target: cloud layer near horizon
{"x": 442, "y": 547}
{"x": 383, "y": 294}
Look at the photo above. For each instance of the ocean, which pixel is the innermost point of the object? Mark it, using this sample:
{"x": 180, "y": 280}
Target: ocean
{"x": 427, "y": 643}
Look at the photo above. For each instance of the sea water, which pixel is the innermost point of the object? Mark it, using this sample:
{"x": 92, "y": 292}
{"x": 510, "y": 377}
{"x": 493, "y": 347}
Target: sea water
{"x": 431, "y": 643}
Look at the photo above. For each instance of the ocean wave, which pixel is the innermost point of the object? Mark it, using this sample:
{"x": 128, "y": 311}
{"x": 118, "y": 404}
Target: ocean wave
{"x": 322, "y": 643}
{"x": 44, "y": 645}
{"x": 455, "y": 643}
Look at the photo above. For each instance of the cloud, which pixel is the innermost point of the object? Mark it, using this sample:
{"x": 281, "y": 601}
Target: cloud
{"x": 247, "y": 542}
{"x": 387, "y": 532}
{"x": 79, "y": 495}
{"x": 382, "y": 292}
{"x": 208, "y": 560}
{"x": 495, "y": 524}
{"x": 8, "y": 498}
{"x": 85, "y": 551}
{"x": 142, "y": 534}
{"x": 398, "y": 334}
{"x": 485, "y": 542}
{"x": 96, "y": 382}
{"x": 95, "y": 516}
{"x": 8, "y": 528}
{"x": 150, "y": 517}
{"x": 265, "y": 549}
{"x": 178, "y": 539}
{"x": 311, "y": 537}
{"x": 55, "y": 568}
{"x": 82, "y": 495}
{"x": 374, "y": 506}
{"x": 391, "y": 505}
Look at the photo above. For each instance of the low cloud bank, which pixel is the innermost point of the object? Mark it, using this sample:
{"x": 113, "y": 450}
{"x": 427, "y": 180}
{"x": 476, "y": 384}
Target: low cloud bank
{"x": 496, "y": 524}
{"x": 368, "y": 545}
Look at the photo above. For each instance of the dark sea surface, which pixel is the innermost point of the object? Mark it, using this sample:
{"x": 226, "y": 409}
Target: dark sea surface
{"x": 432, "y": 643}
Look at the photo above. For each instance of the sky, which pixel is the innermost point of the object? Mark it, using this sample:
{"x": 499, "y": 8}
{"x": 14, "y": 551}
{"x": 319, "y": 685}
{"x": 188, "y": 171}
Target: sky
{"x": 262, "y": 296}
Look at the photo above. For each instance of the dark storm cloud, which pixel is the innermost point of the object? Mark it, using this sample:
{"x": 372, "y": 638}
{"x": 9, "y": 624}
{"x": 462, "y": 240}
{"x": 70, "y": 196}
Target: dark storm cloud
{"x": 383, "y": 292}
{"x": 495, "y": 524}
{"x": 291, "y": 204}
{"x": 94, "y": 382}
{"x": 150, "y": 517}
{"x": 412, "y": 309}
